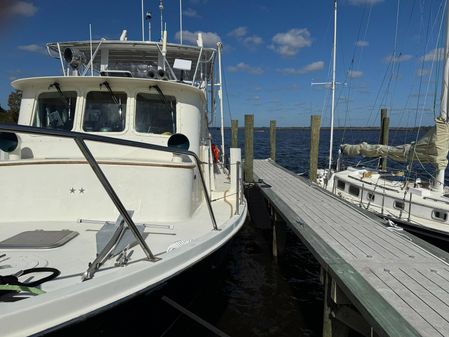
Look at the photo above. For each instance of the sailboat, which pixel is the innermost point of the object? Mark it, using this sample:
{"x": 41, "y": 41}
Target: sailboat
{"x": 418, "y": 206}
{"x": 109, "y": 187}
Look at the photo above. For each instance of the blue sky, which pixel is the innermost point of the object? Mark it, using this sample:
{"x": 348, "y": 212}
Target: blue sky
{"x": 273, "y": 51}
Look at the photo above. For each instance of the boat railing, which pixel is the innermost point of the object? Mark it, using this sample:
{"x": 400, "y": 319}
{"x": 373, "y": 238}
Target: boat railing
{"x": 80, "y": 140}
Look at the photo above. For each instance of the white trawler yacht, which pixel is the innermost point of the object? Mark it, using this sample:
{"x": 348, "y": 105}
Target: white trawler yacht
{"x": 420, "y": 206}
{"x": 110, "y": 186}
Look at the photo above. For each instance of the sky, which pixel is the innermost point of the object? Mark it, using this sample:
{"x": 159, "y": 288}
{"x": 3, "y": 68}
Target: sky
{"x": 388, "y": 52}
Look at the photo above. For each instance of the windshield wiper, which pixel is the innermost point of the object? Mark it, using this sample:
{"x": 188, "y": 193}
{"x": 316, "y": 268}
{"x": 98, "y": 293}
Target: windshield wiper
{"x": 57, "y": 86}
{"x": 167, "y": 103}
{"x": 114, "y": 98}
{"x": 66, "y": 100}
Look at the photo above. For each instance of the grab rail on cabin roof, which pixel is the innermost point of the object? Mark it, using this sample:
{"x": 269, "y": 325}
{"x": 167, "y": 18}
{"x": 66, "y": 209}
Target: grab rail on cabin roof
{"x": 80, "y": 139}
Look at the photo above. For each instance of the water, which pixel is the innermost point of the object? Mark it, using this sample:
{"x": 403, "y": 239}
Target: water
{"x": 242, "y": 290}
{"x": 293, "y": 146}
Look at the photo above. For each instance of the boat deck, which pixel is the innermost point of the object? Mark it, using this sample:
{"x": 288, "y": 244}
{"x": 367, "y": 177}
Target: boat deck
{"x": 399, "y": 287}
{"x": 72, "y": 258}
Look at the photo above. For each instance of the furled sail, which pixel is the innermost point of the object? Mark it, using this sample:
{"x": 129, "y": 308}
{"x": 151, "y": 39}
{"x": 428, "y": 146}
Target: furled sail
{"x": 432, "y": 148}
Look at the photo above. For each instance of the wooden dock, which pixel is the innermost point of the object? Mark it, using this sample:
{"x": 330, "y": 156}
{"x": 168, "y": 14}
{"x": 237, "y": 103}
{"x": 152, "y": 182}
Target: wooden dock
{"x": 378, "y": 281}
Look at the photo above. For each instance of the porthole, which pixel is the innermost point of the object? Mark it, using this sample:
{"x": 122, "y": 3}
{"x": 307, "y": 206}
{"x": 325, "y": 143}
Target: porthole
{"x": 398, "y": 204}
{"x": 439, "y": 215}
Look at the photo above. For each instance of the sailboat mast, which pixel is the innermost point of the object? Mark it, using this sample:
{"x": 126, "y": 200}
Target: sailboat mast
{"x": 334, "y": 62}
{"x": 444, "y": 103}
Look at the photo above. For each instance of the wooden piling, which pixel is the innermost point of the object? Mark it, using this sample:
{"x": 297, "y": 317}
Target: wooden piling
{"x": 234, "y": 133}
{"x": 315, "y": 122}
{"x": 249, "y": 148}
{"x": 273, "y": 140}
{"x": 384, "y": 127}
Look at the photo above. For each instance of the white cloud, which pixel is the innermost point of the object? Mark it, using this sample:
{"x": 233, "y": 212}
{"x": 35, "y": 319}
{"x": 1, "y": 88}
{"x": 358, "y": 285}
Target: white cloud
{"x": 191, "y": 13}
{"x": 315, "y": 66}
{"x": 243, "y": 67}
{"x": 33, "y": 48}
{"x": 289, "y": 43}
{"x": 364, "y": 2}
{"x": 355, "y": 74}
{"x": 362, "y": 43}
{"x": 239, "y": 32}
{"x": 434, "y": 55}
{"x": 209, "y": 39}
{"x": 398, "y": 58}
{"x": 252, "y": 41}
{"x": 17, "y": 8}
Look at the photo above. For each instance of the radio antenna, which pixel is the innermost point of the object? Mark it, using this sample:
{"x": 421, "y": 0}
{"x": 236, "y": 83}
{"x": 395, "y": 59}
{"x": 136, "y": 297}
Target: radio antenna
{"x": 180, "y": 20}
{"x": 142, "y": 19}
{"x": 161, "y": 8}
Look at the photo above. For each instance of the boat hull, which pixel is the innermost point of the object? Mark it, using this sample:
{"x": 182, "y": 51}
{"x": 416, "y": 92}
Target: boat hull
{"x": 69, "y": 305}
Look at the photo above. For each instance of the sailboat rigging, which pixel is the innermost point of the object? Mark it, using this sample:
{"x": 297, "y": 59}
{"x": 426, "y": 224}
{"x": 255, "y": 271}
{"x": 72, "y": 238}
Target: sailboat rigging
{"x": 412, "y": 203}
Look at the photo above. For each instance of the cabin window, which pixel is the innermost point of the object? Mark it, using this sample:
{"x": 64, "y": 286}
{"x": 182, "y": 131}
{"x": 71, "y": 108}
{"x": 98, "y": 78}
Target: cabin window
{"x": 105, "y": 112}
{"x": 354, "y": 190}
{"x": 155, "y": 113}
{"x": 55, "y": 110}
{"x": 439, "y": 215}
{"x": 341, "y": 185}
{"x": 370, "y": 196}
{"x": 398, "y": 204}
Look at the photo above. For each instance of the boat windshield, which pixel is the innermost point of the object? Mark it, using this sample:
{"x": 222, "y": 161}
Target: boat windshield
{"x": 155, "y": 115}
{"x": 105, "y": 112}
{"x": 55, "y": 110}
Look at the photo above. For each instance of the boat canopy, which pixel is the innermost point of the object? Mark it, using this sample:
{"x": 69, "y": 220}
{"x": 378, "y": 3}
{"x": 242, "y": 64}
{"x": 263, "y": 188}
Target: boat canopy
{"x": 432, "y": 148}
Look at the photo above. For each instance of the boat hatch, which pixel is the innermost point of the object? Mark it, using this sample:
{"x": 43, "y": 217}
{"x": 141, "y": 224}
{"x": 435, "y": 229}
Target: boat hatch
{"x": 38, "y": 239}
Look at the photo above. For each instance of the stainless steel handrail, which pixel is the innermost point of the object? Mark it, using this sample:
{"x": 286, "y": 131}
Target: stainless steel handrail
{"x": 80, "y": 139}
{"x": 114, "y": 197}
{"x": 237, "y": 187}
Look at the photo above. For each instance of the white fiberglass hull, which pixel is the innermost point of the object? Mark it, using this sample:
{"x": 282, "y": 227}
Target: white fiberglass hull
{"x": 74, "y": 301}
{"x": 414, "y": 206}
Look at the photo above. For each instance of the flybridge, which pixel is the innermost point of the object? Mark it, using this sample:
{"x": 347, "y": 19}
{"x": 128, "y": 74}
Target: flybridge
{"x": 139, "y": 59}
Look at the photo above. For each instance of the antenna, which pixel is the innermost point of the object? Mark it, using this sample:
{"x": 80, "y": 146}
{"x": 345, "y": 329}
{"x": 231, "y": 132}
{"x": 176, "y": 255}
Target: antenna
{"x": 161, "y": 8}
{"x": 142, "y": 18}
{"x": 148, "y": 16}
{"x": 91, "y": 52}
{"x": 180, "y": 20}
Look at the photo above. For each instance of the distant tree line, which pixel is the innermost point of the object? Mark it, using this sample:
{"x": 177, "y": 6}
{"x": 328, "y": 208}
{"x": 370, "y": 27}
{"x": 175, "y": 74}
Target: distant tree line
{"x": 12, "y": 115}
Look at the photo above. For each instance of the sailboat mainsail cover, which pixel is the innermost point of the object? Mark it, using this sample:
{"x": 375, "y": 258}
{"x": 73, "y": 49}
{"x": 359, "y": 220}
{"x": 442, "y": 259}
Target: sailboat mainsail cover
{"x": 432, "y": 148}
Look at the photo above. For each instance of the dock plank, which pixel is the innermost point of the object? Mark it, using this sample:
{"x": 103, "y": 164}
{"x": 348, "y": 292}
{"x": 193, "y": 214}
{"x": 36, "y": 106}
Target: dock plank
{"x": 401, "y": 288}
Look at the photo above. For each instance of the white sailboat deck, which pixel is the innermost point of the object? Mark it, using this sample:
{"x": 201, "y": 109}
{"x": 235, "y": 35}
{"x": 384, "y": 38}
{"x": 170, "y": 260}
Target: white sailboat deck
{"x": 399, "y": 287}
